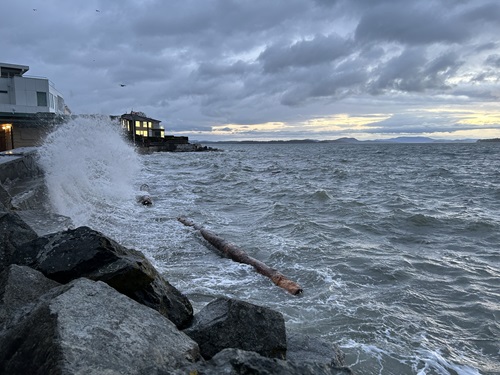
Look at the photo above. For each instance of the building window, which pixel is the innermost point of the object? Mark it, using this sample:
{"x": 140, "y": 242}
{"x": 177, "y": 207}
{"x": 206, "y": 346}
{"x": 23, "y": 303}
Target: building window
{"x": 150, "y": 124}
{"x": 137, "y": 124}
{"x": 41, "y": 99}
{"x": 60, "y": 104}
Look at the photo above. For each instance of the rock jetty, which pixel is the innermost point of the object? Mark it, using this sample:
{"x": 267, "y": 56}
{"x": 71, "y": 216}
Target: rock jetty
{"x": 76, "y": 302}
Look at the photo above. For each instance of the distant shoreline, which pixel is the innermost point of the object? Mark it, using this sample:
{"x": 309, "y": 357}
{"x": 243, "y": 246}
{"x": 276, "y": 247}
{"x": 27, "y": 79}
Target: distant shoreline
{"x": 398, "y": 140}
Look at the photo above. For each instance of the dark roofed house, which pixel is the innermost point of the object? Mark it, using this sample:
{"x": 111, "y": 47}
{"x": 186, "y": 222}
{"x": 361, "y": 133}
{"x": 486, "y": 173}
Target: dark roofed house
{"x": 140, "y": 127}
{"x": 147, "y": 133}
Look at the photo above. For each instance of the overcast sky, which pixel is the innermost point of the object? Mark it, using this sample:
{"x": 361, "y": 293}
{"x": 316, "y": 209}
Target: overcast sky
{"x": 270, "y": 69}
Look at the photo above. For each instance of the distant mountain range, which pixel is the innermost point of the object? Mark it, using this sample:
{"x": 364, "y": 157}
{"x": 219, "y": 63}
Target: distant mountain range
{"x": 354, "y": 140}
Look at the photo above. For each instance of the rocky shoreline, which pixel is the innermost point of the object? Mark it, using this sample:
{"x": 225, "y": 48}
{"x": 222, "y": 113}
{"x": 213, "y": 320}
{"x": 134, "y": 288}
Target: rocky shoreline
{"x": 76, "y": 302}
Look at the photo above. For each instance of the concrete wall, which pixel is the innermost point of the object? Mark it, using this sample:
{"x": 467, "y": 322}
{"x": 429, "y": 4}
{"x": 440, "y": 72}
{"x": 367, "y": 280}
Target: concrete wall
{"x": 19, "y": 164}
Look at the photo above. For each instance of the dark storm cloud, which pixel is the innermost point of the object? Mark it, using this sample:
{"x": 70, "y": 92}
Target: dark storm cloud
{"x": 305, "y": 53}
{"x": 411, "y": 71}
{"x": 410, "y": 24}
{"x": 493, "y": 60}
{"x": 195, "y": 64}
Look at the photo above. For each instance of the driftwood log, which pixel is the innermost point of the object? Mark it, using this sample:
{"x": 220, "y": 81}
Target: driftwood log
{"x": 240, "y": 256}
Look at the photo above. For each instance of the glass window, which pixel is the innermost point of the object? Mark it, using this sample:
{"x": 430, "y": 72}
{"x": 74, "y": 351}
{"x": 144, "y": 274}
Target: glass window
{"x": 41, "y": 99}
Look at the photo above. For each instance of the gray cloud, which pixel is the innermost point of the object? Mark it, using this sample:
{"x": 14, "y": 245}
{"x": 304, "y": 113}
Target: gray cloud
{"x": 305, "y": 53}
{"x": 197, "y": 64}
{"x": 412, "y": 71}
{"x": 409, "y": 24}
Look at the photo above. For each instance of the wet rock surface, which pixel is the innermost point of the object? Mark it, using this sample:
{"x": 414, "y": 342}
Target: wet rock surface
{"x": 228, "y": 323}
{"x": 240, "y": 362}
{"x": 87, "y": 327}
{"x": 83, "y": 252}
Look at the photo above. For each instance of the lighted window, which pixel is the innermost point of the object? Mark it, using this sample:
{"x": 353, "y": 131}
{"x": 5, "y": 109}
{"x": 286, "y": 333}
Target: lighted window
{"x": 137, "y": 124}
{"x": 150, "y": 124}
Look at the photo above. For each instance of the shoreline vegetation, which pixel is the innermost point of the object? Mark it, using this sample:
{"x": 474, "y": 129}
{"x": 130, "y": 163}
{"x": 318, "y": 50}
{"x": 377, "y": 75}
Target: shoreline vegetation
{"x": 346, "y": 140}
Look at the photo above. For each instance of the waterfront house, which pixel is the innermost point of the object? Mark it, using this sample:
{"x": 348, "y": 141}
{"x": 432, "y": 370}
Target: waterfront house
{"x": 147, "y": 132}
{"x": 29, "y": 107}
{"x": 140, "y": 127}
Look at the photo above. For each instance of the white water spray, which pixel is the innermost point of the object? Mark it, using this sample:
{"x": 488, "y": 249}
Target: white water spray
{"x": 89, "y": 170}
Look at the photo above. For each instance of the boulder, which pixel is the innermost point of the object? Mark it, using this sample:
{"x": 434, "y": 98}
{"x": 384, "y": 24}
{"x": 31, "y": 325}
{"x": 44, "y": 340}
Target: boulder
{"x": 5, "y": 198}
{"x": 239, "y": 362}
{"x": 305, "y": 348}
{"x": 167, "y": 300}
{"x": 83, "y": 252}
{"x": 19, "y": 287}
{"x": 228, "y": 323}
{"x": 88, "y": 327}
{"x": 14, "y": 232}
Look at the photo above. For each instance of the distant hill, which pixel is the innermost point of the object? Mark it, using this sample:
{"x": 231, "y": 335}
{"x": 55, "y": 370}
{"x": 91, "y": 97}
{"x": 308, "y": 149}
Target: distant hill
{"x": 350, "y": 140}
{"x": 344, "y": 140}
{"x": 489, "y": 140}
{"x": 407, "y": 140}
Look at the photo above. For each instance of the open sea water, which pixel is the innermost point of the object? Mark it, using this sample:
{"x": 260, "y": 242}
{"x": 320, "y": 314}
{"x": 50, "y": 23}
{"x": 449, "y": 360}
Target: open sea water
{"x": 397, "y": 246}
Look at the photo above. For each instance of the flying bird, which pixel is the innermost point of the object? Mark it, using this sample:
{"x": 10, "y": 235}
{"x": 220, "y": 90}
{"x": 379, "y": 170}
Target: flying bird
{"x": 122, "y": 85}
{"x": 97, "y": 10}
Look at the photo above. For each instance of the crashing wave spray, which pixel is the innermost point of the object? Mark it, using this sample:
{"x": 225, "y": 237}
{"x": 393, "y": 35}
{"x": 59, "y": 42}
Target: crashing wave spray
{"x": 89, "y": 170}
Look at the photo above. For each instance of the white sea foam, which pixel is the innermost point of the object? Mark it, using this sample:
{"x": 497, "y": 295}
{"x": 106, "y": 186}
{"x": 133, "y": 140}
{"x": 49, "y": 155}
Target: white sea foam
{"x": 434, "y": 361}
{"x": 87, "y": 165}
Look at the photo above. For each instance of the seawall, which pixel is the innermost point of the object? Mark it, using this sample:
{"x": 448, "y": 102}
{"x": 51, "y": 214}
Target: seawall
{"x": 19, "y": 164}
{"x": 22, "y": 189}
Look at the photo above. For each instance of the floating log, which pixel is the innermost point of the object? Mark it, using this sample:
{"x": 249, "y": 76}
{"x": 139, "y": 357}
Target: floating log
{"x": 240, "y": 256}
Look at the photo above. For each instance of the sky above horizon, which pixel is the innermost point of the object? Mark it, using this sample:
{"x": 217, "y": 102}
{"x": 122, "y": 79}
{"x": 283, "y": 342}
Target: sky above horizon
{"x": 261, "y": 70}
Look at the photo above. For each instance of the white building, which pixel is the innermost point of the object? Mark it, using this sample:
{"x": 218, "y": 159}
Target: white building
{"x": 27, "y": 94}
{"x": 29, "y": 106}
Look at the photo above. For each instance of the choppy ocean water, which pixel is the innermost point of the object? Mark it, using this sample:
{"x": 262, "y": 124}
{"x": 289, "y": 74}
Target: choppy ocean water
{"x": 395, "y": 245}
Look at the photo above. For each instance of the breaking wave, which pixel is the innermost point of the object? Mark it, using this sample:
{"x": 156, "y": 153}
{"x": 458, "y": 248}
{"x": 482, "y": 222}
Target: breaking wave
{"x": 89, "y": 169}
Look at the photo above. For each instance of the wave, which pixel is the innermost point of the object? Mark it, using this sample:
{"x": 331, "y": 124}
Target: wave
{"x": 89, "y": 168}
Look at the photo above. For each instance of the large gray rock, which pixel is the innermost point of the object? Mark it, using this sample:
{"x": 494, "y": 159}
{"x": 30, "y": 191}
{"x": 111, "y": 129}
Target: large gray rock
{"x": 13, "y": 234}
{"x": 239, "y": 362}
{"x": 83, "y": 252}
{"x": 305, "y": 348}
{"x": 43, "y": 222}
{"x": 90, "y": 328}
{"x": 20, "y": 287}
{"x": 227, "y": 323}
